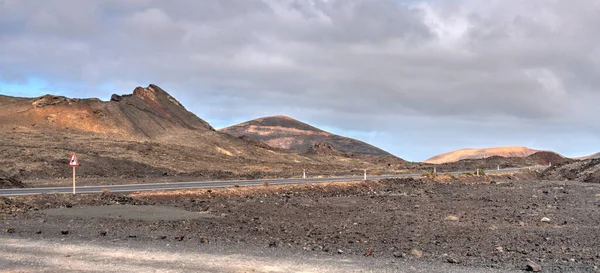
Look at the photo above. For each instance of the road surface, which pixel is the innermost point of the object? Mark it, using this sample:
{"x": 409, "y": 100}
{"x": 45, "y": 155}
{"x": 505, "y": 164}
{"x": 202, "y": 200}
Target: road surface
{"x": 216, "y": 184}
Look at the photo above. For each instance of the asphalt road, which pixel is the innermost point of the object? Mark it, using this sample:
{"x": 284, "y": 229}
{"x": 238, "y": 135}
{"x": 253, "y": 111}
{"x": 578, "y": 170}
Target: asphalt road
{"x": 215, "y": 184}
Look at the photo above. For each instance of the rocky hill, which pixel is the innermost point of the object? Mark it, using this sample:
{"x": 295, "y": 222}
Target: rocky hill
{"x": 287, "y": 133}
{"x": 583, "y": 171}
{"x": 144, "y": 135}
{"x": 475, "y": 153}
{"x": 492, "y": 162}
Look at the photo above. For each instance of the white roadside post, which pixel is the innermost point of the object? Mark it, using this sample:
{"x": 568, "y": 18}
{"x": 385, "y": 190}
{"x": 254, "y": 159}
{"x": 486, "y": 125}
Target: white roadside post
{"x": 477, "y": 171}
{"x": 365, "y": 176}
{"x": 73, "y": 163}
{"x": 434, "y": 170}
{"x": 304, "y": 173}
{"x": 498, "y": 167}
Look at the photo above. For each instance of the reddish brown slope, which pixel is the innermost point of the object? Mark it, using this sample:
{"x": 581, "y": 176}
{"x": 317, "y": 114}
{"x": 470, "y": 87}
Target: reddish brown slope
{"x": 287, "y": 133}
{"x": 148, "y": 113}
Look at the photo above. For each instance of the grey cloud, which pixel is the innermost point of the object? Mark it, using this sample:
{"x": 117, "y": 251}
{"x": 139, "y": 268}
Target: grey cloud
{"x": 347, "y": 64}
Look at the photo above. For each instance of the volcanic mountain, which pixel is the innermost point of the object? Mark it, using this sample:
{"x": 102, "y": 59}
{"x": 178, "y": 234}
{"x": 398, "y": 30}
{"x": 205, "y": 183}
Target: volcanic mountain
{"x": 147, "y": 113}
{"x": 471, "y": 153}
{"x": 148, "y": 134}
{"x": 287, "y": 133}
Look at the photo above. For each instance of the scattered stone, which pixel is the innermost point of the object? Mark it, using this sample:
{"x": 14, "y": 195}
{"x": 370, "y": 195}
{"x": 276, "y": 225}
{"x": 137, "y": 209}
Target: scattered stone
{"x": 451, "y": 218}
{"x": 399, "y": 254}
{"x": 453, "y": 261}
{"x": 531, "y": 266}
{"x": 10, "y": 230}
{"x": 340, "y": 251}
{"x": 64, "y": 232}
{"x": 273, "y": 244}
{"x": 179, "y": 238}
{"x": 162, "y": 237}
{"x": 493, "y": 227}
{"x": 38, "y": 232}
{"x": 417, "y": 253}
{"x": 132, "y": 236}
{"x": 102, "y": 233}
{"x": 204, "y": 240}
{"x": 545, "y": 220}
{"x": 369, "y": 252}
{"x": 500, "y": 249}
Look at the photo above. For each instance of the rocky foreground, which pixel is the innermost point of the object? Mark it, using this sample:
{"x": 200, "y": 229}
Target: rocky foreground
{"x": 503, "y": 223}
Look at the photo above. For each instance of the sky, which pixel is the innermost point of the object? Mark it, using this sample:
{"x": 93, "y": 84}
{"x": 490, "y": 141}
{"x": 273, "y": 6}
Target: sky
{"x": 415, "y": 78}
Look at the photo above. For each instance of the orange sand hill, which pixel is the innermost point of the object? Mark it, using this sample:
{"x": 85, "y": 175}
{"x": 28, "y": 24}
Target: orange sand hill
{"x": 474, "y": 153}
{"x": 593, "y": 156}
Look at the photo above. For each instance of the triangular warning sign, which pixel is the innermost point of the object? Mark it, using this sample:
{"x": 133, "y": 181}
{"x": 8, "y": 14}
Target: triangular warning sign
{"x": 73, "y": 162}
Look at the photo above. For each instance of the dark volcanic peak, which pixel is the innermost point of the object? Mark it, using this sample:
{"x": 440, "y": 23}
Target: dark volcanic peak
{"x": 287, "y": 133}
{"x": 546, "y": 157}
{"x": 283, "y": 122}
{"x": 149, "y": 112}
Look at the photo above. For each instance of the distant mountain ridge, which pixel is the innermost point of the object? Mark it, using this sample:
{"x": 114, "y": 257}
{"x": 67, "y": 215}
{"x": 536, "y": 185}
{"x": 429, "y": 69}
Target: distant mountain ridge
{"x": 592, "y": 156}
{"x": 287, "y": 133}
{"x": 481, "y": 153}
{"x": 148, "y": 133}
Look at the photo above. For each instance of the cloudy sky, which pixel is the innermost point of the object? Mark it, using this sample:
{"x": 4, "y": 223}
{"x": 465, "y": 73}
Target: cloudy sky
{"x": 414, "y": 77}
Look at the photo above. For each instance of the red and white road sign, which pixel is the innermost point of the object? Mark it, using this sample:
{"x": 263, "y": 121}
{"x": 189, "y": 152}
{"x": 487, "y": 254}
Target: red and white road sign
{"x": 74, "y": 162}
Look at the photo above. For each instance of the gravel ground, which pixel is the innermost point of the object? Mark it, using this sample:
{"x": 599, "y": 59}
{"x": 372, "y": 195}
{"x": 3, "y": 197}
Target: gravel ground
{"x": 76, "y": 255}
{"x": 389, "y": 225}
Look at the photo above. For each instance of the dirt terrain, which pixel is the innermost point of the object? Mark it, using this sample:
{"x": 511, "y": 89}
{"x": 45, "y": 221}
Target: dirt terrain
{"x": 8, "y": 182}
{"x": 502, "y": 222}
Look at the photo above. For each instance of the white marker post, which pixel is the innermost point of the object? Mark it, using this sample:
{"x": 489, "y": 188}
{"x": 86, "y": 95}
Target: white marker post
{"x": 434, "y": 170}
{"x": 304, "y": 173}
{"x": 498, "y": 167}
{"x": 365, "y": 177}
{"x": 73, "y": 163}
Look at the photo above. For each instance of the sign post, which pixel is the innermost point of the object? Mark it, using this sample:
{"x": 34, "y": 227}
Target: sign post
{"x": 73, "y": 163}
